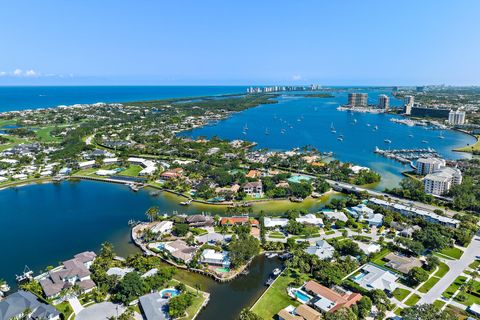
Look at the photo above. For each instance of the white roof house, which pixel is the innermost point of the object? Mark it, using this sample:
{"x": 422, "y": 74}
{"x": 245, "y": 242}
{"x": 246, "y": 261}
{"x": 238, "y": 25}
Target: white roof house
{"x": 110, "y": 160}
{"x": 335, "y": 215}
{"x": 102, "y": 172}
{"x": 270, "y": 222}
{"x": 162, "y": 227}
{"x": 86, "y": 164}
{"x": 322, "y": 249}
{"x": 210, "y": 256}
{"x": 120, "y": 272}
{"x": 310, "y": 219}
{"x": 373, "y": 277}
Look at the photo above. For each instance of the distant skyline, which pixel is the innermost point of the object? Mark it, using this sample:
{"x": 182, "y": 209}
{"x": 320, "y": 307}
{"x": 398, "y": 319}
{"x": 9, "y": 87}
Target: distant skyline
{"x": 154, "y": 42}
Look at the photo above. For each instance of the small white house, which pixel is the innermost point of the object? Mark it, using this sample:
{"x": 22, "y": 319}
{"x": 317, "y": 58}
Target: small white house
{"x": 310, "y": 219}
{"x": 210, "y": 256}
{"x": 270, "y": 222}
{"x": 86, "y": 164}
{"x": 162, "y": 227}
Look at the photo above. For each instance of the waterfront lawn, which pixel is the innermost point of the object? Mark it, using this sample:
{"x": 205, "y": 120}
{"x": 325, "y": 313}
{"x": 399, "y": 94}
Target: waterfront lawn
{"x": 414, "y": 298}
{"x": 454, "y": 252}
{"x": 131, "y": 171}
{"x": 454, "y": 287}
{"x": 198, "y": 300}
{"x": 400, "y": 294}
{"x": 428, "y": 284}
{"x": 471, "y": 148}
{"x": 275, "y": 298}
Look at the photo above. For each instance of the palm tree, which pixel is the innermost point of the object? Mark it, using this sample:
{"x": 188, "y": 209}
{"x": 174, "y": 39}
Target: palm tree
{"x": 152, "y": 213}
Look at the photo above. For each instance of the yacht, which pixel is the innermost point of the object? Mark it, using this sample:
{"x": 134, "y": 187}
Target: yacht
{"x": 376, "y": 127}
{"x": 340, "y": 139}
{"x": 424, "y": 141}
{"x": 276, "y": 271}
{"x": 387, "y": 141}
{"x": 332, "y": 128}
{"x": 441, "y": 135}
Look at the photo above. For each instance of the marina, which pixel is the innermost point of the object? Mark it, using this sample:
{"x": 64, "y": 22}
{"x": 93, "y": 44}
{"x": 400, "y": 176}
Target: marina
{"x": 406, "y": 156}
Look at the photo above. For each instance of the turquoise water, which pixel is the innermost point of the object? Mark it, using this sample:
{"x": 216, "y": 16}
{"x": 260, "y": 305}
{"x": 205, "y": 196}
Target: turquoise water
{"x": 20, "y": 98}
{"x": 298, "y": 178}
{"x": 308, "y": 121}
{"x": 169, "y": 293}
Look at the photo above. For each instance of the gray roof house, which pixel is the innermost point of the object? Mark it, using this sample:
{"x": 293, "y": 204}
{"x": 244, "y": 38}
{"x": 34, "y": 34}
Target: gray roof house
{"x": 15, "y": 304}
{"x": 154, "y": 307}
{"x": 322, "y": 249}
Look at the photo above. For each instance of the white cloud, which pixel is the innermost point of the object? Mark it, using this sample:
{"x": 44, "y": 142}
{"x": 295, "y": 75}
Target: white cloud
{"x": 17, "y": 72}
{"x": 3, "y": 73}
{"x": 297, "y": 77}
{"x": 31, "y": 73}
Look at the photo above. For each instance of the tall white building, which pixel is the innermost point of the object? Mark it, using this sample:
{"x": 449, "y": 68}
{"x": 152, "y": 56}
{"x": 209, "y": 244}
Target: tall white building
{"x": 456, "y": 117}
{"x": 429, "y": 165}
{"x": 357, "y": 99}
{"x": 439, "y": 182}
{"x": 408, "y": 104}
{"x": 383, "y": 101}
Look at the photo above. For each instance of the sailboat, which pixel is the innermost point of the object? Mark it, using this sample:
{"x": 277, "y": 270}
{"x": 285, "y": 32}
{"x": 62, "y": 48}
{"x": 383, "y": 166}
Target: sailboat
{"x": 441, "y": 135}
{"x": 332, "y": 128}
{"x": 267, "y": 132}
{"x": 375, "y": 128}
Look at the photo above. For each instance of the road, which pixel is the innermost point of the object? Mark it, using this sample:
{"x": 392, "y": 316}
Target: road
{"x": 456, "y": 268}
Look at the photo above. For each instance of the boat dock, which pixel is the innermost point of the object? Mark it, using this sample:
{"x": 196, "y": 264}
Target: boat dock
{"x": 406, "y": 156}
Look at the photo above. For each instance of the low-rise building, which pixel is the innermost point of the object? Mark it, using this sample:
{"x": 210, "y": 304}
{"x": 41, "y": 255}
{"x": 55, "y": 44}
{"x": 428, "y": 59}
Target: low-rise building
{"x": 302, "y": 312}
{"x": 322, "y": 249}
{"x": 199, "y": 220}
{"x": 86, "y": 164}
{"x": 439, "y": 182}
{"x": 364, "y": 213}
{"x": 154, "y": 306}
{"x": 230, "y": 221}
{"x": 254, "y": 189}
{"x": 330, "y": 300}
{"x": 310, "y": 219}
{"x": 162, "y": 227}
{"x": 335, "y": 215}
{"x": 373, "y": 277}
{"x": 15, "y": 305}
{"x": 402, "y": 263}
{"x": 172, "y": 174}
{"x": 180, "y": 250}
{"x": 270, "y": 222}
{"x": 412, "y": 211}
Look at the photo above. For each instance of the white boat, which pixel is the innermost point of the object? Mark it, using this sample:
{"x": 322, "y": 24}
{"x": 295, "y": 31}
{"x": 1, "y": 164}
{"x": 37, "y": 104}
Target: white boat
{"x": 271, "y": 255}
{"x": 332, "y": 128}
{"x": 376, "y": 127}
{"x": 387, "y": 141}
{"x": 340, "y": 139}
{"x": 424, "y": 141}
{"x": 4, "y": 287}
{"x": 441, "y": 135}
{"x": 267, "y": 132}
{"x": 276, "y": 271}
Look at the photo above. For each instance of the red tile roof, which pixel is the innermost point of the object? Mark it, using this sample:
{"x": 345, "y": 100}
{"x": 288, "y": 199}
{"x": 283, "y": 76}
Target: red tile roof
{"x": 341, "y": 300}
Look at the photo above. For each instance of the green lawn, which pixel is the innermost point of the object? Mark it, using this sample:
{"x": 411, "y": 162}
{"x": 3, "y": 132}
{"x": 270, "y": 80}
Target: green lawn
{"x": 439, "y": 303}
{"x": 198, "y": 300}
{"x": 455, "y": 253}
{"x": 65, "y": 309}
{"x": 428, "y": 284}
{"x": 275, "y": 299}
{"x": 442, "y": 270}
{"x": 329, "y": 232}
{"x": 454, "y": 287}
{"x": 412, "y": 300}
{"x": 44, "y": 135}
{"x": 276, "y": 235}
{"x": 398, "y": 311}
{"x": 458, "y": 313}
{"x": 471, "y": 148}
{"x": 470, "y": 298}
{"x": 475, "y": 264}
{"x": 131, "y": 171}
{"x": 378, "y": 258}
{"x": 400, "y": 293}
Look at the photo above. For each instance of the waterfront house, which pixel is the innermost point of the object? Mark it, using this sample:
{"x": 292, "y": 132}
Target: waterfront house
{"x": 254, "y": 189}
{"x": 162, "y": 227}
{"x": 322, "y": 249}
{"x": 172, "y": 174}
{"x": 105, "y": 173}
{"x": 211, "y": 257}
{"x": 86, "y": 164}
{"x": 230, "y": 221}
{"x": 154, "y": 307}
{"x": 374, "y": 277}
{"x": 199, "y": 220}
{"x": 180, "y": 250}
{"x": 15, "y": 305}
{"x": 335, "y": 215}
{"x": 310, "y": 219}
{"x": 330, "y": 300}
{"x": 108, "y": 161}
{"x": 65, "y": 171}
{"x": 73, "y": 271}
{"x": 302, "y": 312}
{"x": 271, "y": 222}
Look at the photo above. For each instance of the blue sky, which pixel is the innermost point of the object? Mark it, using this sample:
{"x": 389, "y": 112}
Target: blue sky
{"x": 240, "y": 42}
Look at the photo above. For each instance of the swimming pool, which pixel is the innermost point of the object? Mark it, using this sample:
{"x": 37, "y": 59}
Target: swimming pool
{"x": 169, "y": 293}
{"x": 298, "y": 178}
{"x": 303, "y": 297}
{"x": 359, "y": 277}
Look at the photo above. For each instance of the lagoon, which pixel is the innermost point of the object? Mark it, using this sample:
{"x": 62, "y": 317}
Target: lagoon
{"x": 308, "y": 121}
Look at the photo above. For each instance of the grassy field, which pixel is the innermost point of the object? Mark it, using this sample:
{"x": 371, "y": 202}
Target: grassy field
{"x": 458, "y": 313}
{"x": 131, "y": 171}
{"x": 414, "y": 298}
{"x": 275, "y": 299}
{"x": 469, "y": 298}
{"x": 471, "y": 148}
{"x": 475, "y": 264}
{"x": 454, "y": 287}
{"x": 44, "y": 135}
{"x": 400, "y": 294}
{"x": 454, "y": 253}
{"x": 65, "y": 309}
{"x": 439, "y": 303}
{"x": 378, "y": 259}
{"x": 428, "y": 284}
{"x": 276, "y": 235}
{"x": 442, "y": 270}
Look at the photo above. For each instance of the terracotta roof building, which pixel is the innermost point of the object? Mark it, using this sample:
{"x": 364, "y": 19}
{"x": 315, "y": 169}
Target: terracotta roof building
{"x": 330, "y": 300}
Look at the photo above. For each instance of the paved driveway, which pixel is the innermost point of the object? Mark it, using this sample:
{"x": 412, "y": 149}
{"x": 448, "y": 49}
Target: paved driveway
{"x": 100, "y": 311}
{"x": 76, "y": 305}
{"x": 456, "y": 268}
